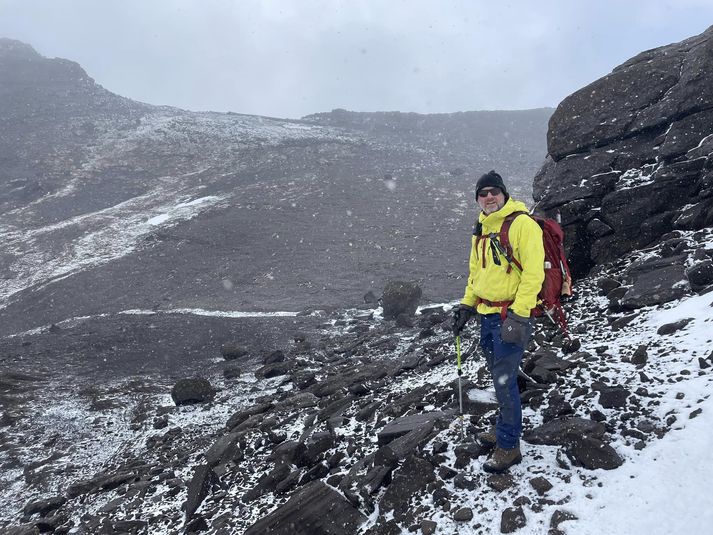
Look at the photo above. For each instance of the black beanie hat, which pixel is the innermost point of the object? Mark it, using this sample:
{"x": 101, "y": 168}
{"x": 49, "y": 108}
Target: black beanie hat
{"x": 491, "y": 180}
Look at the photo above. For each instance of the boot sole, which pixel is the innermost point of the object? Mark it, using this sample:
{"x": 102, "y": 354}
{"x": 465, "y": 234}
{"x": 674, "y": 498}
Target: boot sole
{"x": 500, "y": 470}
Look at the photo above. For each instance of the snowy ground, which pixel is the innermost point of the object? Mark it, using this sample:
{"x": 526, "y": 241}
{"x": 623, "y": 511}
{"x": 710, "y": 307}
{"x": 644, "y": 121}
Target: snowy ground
{"x": 660, "y": 489}
{"x": 665, "y": 488}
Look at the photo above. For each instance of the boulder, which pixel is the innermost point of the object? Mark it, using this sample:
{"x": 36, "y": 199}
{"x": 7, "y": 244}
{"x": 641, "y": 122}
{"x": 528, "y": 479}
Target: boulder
{"x": 464, "y": 514}
{"x": 558, "y": 517}
{"x": 226, "y": 448}
{"x": 370, "y": 298}
{"x": 233, "y": 351}
{"x": 292, "y": 452}
{"x": 396, "y": 450}
{"x": 198, "y": 488}
{"x": 319, "y": 443}
{"x": 42, "y": 507}
{"x": 274, "y": 370}
{"x": 670, "y": 328}
{"x": 656, "y": 287}
{"x": 541, "y": 485}
{"x": 243, "y": 415}
{"x": 315, "y": 508}
{"x": 402, "y": 426}
{"x": 100, "y": 482}
{"x": 195, "y": 390}
{"x": 512, "y": 519}
{"x": 411, "y": 479}
{"x": 468, "y": 451}
{"x": 700, "y": 275}
{"x": 400, "y": 297}
{"x": 613, "y": 397}
{"x": 268, "y": 482}
{"x": 592, "y": 454}
{"x": 232, "y": 372}
{"x": 274, "y": 357}
{"x": 557, "y": 407}
{"x": 640, "y": 356}
{"x": 557, "y": 431}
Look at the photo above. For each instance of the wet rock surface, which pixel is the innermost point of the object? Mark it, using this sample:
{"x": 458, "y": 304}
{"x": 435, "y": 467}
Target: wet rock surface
{"x": 606, "y": 171}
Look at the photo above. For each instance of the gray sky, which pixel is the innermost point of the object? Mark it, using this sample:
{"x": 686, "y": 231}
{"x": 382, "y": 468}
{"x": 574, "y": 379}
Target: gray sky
{"x": 289, "y": 58}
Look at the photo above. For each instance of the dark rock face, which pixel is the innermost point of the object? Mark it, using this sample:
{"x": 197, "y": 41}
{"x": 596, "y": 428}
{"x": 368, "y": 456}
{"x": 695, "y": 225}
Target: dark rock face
{"x": 630, "y": 155}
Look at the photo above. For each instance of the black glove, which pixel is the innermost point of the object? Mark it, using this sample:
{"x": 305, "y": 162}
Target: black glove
{"x": 461, "y": 314}
{"x": 515, "y": 329}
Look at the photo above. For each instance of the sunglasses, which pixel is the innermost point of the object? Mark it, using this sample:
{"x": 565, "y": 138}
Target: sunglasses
{"x": 489, "y": 191}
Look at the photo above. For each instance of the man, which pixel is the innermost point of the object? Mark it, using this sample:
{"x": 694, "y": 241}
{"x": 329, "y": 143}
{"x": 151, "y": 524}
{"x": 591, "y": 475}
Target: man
{"x": 503, "y": 296}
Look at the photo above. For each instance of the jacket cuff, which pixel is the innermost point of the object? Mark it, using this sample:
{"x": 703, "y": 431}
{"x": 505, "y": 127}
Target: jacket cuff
{"x": 522, "y": 312}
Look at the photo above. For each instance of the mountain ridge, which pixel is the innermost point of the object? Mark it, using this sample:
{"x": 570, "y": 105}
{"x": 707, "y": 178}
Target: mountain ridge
{"x": 99, "y": 174}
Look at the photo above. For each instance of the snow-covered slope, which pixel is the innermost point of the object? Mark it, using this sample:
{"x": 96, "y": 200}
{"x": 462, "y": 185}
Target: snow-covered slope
{"x": 129, "y": 426}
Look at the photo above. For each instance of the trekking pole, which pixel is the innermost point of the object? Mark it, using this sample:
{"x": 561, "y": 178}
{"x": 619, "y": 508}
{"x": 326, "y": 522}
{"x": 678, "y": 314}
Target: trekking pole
{"x": 460, "y": 388}
{"x": 564, "y": 331}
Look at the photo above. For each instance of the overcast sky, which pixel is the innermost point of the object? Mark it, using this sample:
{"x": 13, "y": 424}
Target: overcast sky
{"x": 289, "y": 58}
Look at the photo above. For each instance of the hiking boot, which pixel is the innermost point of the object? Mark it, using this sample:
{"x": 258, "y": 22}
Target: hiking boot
{"x": 487, "y": 438}
{"x": 502, "y": 459}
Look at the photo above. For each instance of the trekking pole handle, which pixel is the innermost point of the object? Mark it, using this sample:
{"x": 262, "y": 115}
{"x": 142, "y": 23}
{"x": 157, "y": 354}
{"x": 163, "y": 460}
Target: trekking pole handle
{"x": 460, "y": 372}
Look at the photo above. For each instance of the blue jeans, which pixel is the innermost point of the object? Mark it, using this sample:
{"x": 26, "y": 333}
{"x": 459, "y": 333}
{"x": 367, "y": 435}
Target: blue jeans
{"x": 503, "y": 361}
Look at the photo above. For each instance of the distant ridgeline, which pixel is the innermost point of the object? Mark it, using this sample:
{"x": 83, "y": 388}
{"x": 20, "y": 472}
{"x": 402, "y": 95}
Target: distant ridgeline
{"x": 509, "y": 137}
{"x": 95, "y": 187}
{"x": 630, "y": 156}
{"x": 49, "y": 110}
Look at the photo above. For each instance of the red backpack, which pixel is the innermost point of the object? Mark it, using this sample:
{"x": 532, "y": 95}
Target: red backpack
{"x": 558, "y": 279}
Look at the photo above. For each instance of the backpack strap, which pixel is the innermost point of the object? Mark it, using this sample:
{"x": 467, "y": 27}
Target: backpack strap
{"x": 504, "y": 240}
{"x": 479, "y": 239}
{"x": 478, "y": 228}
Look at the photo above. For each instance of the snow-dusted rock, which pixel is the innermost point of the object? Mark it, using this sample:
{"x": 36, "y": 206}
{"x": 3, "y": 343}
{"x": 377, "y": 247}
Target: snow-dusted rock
{"x": 316, "y": 508}
{"x": 193, "y": 390}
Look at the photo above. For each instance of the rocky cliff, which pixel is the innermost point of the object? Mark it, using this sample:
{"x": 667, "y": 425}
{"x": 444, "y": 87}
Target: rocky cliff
{"x": 630, "y": 156}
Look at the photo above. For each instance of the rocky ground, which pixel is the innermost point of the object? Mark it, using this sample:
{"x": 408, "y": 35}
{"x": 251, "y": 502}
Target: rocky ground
{"x": 137, "y": 399}
{"x": 344, "y": 421}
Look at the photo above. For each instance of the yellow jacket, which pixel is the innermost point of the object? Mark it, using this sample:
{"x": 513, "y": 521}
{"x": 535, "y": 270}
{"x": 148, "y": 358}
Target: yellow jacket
{"x": 492, "y": 282}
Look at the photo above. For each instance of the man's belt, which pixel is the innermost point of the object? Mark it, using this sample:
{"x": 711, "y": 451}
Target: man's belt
{"x": 502, "y": 305}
